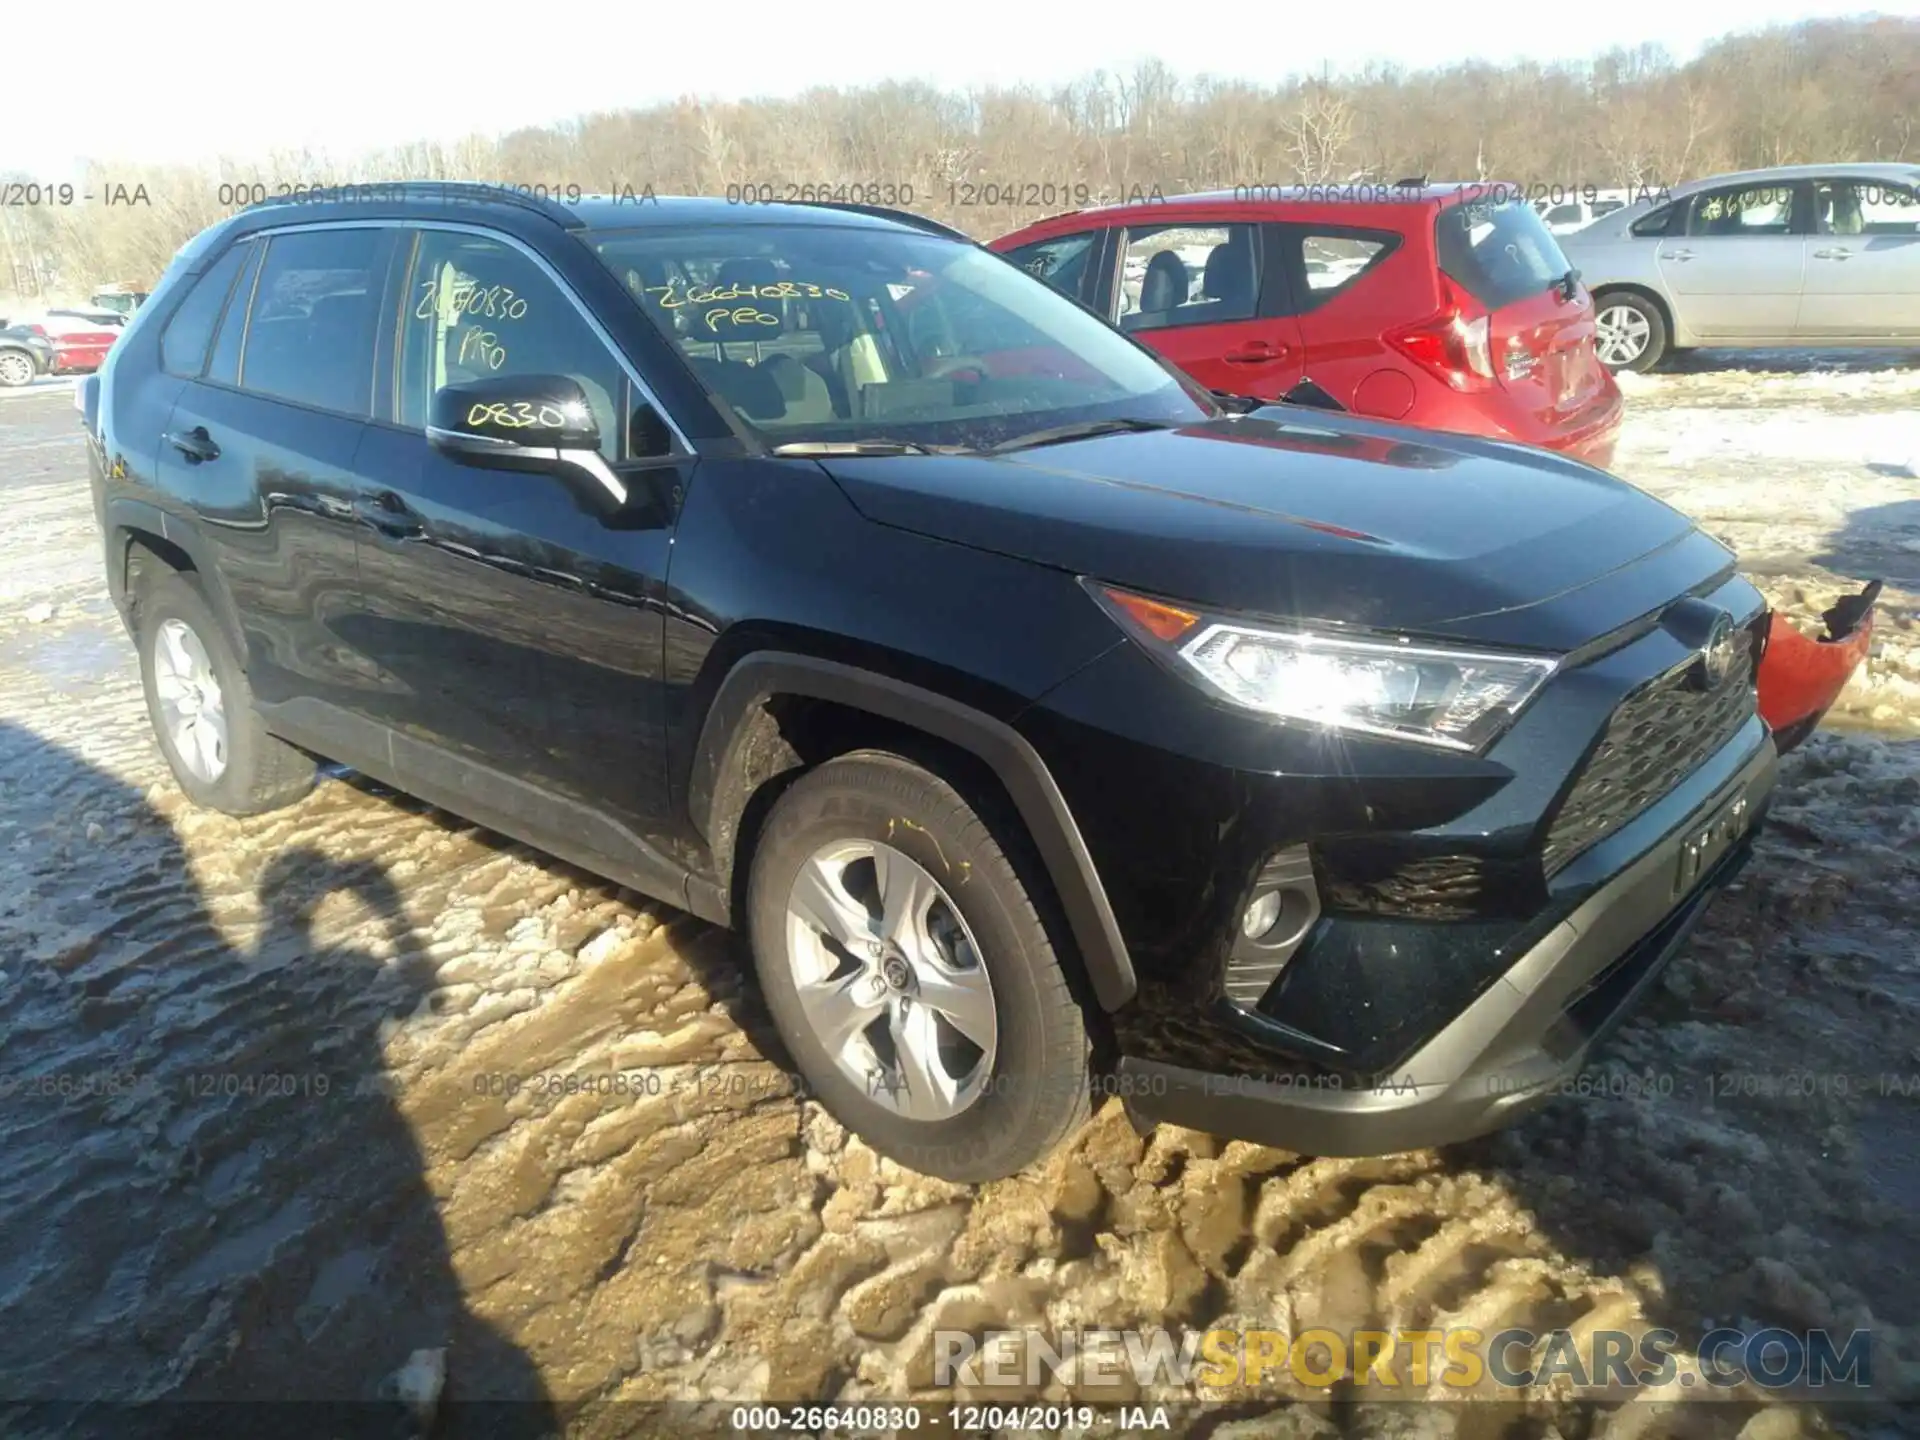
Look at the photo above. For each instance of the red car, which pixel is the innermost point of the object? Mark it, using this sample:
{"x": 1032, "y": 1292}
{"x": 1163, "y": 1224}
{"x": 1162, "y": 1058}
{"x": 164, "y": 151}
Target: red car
{"x": 1449, "y": 307}
{"x": 78, "y": 347}
{"x": 1445, "y": 306}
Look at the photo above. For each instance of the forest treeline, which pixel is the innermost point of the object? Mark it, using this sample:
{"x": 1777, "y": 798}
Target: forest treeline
{"x": 993, "y": 158}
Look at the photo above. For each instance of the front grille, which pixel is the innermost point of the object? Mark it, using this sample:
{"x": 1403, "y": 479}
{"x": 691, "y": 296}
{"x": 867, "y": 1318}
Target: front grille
{"x": 1658, "y": 735}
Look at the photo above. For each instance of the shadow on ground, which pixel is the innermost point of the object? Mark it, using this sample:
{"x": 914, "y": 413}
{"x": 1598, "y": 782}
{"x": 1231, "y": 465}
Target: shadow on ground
{"x": 207, "y": 1193}
{"x": 1878, "y": 542}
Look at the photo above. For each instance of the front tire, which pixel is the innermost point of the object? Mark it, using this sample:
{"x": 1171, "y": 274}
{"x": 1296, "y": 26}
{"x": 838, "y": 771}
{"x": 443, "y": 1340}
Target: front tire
{"x": 202, "y": 708}
{"x": 1630, "y": 333}
{"x": 16, "y": 369}
{"x": 910, "y": 975}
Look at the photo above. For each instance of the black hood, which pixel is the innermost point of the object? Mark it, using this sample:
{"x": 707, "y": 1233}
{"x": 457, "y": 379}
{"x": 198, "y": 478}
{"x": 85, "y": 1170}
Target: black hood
{"x": 1314, "y": 516}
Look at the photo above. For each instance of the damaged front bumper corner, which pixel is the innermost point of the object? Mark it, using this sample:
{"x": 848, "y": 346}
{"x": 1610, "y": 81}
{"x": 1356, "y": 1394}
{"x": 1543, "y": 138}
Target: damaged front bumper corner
{"x": 1800, "y": 678}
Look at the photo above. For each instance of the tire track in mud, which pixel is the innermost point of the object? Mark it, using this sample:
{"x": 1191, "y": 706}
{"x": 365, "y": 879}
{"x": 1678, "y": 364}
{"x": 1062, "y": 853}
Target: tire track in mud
{"x": 715, "y": 1238}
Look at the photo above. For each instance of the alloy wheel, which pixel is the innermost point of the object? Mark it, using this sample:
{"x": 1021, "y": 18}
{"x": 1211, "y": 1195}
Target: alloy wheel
{"x": 15, "y": 369}
{"x": 194, "y": 710}
{"x": 890, "y": 979}
{"x": 1622, "y": 334}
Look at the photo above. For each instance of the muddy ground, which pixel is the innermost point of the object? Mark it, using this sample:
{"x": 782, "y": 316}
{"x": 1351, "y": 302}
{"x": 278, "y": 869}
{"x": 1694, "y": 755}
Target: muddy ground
{"x": 253, "y": 1142}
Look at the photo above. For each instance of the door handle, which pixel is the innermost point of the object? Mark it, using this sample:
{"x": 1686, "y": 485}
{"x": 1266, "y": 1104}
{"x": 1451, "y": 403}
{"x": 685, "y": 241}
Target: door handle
{"x": 1838, "y": 254}
{"x": 1678, "y": 255}
{"x": 389, "y": 514}
{"x": 195, "y": 444}
{"x": 1255, "y": 352}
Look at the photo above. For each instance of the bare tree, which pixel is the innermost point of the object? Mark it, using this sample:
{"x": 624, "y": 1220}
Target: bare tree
{"x": 1844, "y": 89}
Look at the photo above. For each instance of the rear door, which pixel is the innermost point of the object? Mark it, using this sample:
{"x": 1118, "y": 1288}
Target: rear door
{"x": 1863, "y": 269}
{"x": 1539, "y": 338}
{"x": 1349, "y": 285}
{"x": 1736, "y": 268}
{"x": 262, "y": 442}
{"x": 1206, "y": 295}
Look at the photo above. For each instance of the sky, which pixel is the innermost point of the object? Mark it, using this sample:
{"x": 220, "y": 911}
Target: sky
{"x": 192, "y": 80}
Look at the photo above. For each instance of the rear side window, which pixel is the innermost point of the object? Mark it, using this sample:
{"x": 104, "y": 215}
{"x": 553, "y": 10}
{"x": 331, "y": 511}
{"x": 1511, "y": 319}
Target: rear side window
{"x": 1497, "y": 252}
{"x": 1062, "y": 262}
{"x": 310, "y": 335}
{"x": 1865, "y": 207}
{"x": 1174, "y": 275}
{"x": 1748, "y": 210}
{"x": 1334, "y": 261}
{"x": 183, "y": 347}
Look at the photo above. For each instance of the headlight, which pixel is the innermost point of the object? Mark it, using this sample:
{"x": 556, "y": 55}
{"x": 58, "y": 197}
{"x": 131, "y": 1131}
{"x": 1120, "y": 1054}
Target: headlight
{"x": 1433, "y": 695}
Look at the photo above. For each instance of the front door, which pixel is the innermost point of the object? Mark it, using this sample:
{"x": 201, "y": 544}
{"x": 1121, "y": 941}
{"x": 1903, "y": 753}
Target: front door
{"x": 1736, "y": 269}
{"x": 514, "y": 616}
{"x": 1206, "y": 296}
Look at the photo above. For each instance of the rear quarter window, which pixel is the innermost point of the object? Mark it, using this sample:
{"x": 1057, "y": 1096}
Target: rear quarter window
{"x": 1497, "y": 252}
{"x": 183, "y": 344}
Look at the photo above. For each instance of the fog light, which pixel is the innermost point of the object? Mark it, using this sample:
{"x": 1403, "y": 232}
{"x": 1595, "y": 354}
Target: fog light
{"x": 1281, "y": 913}
{"x": 1261, "y": 915}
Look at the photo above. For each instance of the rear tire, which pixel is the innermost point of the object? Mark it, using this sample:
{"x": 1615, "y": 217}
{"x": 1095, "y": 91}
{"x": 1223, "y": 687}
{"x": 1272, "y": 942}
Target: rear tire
{"x": 948, "y": 1040}
{"x": 202, "y": 707}
{"x": 16, "y": 369}
{"x": 1630, "y": 332}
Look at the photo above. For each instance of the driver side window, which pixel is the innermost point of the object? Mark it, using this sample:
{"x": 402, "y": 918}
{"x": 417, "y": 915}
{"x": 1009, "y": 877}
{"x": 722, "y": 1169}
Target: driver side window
{"x": 478, "y": 308}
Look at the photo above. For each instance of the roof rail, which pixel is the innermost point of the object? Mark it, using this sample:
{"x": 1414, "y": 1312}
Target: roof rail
{"x": 470, "y": 192}
{"x": 902, "y": 217}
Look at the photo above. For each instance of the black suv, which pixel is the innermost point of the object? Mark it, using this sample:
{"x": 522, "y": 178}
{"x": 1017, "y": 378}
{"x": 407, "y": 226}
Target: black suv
{"x": 1050, "y": 730}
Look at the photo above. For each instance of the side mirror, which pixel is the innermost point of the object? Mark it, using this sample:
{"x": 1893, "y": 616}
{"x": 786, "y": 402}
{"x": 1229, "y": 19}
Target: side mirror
{"x": 1310, "y": 394}
{"x": 522, "y": 422}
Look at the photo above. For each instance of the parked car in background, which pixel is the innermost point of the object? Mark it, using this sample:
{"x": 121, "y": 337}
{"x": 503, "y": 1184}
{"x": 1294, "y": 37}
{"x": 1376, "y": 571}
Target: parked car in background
{"x": 1801, "y": 255}
{"x": 79, "y": 345}
{"x": 120, "y": 298}
{"x": 1444, "y": 306}
{"x": 91, "y": 316}
{"x": 25, "y": 355}
{"x": 1565, "y": 214}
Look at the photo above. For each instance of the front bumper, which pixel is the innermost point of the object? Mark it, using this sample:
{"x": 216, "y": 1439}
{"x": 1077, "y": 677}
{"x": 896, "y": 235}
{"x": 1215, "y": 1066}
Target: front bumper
{"x": 1511, "y": 1049}
{"x": 1800, "y": 677}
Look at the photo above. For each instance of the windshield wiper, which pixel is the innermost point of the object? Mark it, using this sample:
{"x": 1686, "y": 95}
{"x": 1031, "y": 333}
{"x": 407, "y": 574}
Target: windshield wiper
{"x": 806, "y": 448}
{"x": 1081, "y": 430}
{"x": 1568, "y": 284}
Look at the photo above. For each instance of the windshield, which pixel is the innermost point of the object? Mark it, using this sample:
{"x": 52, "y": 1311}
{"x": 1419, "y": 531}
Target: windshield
{"x": 1499, "y": 252}
{"x": 833, "y": 334}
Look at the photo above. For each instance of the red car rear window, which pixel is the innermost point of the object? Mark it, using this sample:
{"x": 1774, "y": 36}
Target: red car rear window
{"x": 1498, "y": 252}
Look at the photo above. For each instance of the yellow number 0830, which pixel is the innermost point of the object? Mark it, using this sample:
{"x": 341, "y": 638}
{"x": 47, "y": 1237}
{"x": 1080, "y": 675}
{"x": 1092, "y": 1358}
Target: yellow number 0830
{"x": 517, "y": 415}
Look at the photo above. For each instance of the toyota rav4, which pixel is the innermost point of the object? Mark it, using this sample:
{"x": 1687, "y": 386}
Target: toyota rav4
{"x": 1049, "y": 729}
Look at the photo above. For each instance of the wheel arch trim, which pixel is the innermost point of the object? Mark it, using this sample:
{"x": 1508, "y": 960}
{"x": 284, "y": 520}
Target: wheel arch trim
{"x": 128, "y": 521}
{"x": 763, "y": 675}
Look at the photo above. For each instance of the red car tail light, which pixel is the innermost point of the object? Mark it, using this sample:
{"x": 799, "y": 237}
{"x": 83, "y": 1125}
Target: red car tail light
{"x": 1455, "y": 346}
